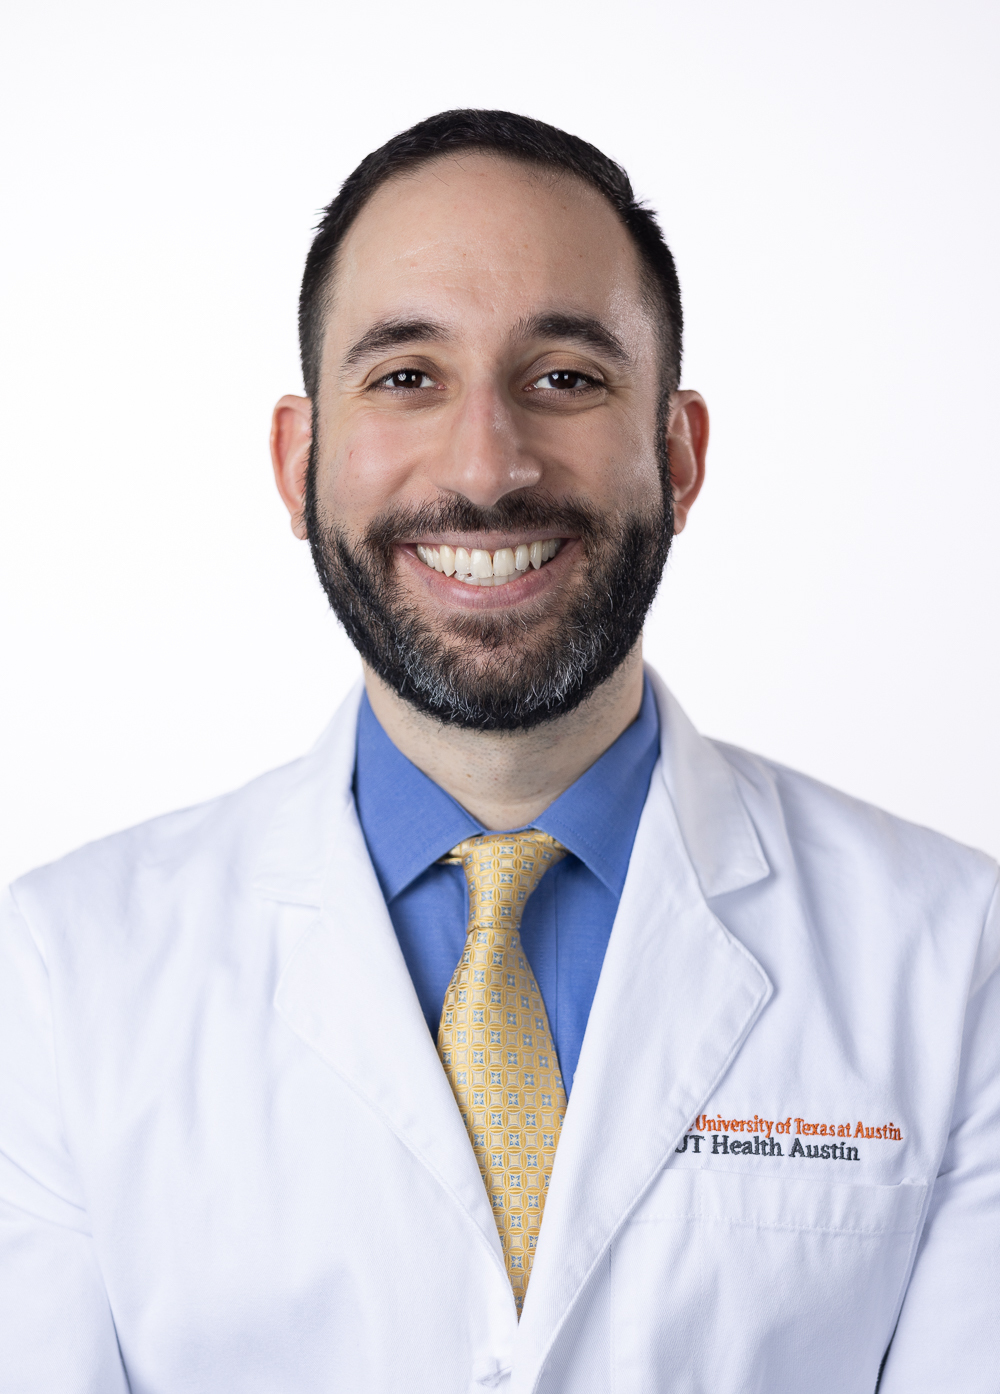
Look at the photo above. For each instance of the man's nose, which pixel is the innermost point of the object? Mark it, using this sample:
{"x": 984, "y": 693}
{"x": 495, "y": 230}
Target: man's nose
{"x": 486, "y": 454}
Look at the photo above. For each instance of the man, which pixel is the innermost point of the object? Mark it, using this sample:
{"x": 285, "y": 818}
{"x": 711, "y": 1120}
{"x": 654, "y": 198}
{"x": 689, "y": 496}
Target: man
{"x": 516, "y": 1037}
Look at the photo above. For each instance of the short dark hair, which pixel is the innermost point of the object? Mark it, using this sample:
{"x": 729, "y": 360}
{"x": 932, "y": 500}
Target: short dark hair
{"x": 517, "y": 138}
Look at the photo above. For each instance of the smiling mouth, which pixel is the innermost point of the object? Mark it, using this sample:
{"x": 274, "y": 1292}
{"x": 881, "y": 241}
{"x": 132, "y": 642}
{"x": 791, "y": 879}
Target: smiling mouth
{"x": 481, "y": 568}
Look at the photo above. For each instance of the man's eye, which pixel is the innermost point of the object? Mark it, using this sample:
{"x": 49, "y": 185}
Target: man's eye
{"x": 562, "y": 380}
{"x": 406, "y": 378}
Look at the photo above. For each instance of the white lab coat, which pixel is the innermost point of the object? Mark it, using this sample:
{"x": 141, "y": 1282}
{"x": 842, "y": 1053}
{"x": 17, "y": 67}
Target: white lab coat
{"x": 230, "y": 1162}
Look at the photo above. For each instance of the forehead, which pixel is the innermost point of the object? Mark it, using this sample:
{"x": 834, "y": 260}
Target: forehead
{"x": 483, "y": 242}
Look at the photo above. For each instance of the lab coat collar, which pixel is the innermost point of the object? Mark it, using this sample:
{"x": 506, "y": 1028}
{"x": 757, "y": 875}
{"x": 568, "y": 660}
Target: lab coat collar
{"x": 676, "y": 999}
{"x": 717, "y": 830}
{"x": 299, "y": 841}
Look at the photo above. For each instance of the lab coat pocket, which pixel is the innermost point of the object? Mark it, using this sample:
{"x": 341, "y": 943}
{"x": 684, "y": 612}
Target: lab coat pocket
{"x": 740, "y": 1282}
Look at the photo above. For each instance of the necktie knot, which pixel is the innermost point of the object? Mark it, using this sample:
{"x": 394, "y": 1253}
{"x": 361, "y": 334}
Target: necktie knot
{"x": 502, "y": 869}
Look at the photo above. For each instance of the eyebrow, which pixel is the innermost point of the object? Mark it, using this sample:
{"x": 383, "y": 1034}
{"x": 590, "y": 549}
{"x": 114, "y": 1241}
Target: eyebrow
{"x": 392, "y": 333}
{"x": 581, "y": 329}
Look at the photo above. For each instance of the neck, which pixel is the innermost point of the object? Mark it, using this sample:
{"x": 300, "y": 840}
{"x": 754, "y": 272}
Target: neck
{"x": 507, "y": 778}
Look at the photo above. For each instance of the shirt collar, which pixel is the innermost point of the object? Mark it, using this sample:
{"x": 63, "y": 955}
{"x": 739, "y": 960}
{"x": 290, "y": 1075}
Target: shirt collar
{"x": 409, "y": 821}
{"x": 597, "y": 817}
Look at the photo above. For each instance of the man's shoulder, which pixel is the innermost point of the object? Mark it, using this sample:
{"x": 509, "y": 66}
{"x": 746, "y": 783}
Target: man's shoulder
{"x": 281, "y": 818}
{"x": 217, "y": 839}
{"x": 815, "y": 823}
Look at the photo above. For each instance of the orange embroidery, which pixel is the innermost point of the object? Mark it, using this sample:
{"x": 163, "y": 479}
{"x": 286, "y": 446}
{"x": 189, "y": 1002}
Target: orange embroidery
{"x": 715, "y": 1123}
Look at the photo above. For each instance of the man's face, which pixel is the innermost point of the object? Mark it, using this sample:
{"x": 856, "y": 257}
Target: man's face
{"x": 486, "y": 502}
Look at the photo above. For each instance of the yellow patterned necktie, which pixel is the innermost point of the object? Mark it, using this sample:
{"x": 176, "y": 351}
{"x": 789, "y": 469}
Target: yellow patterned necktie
{"x": 495, "y": 1043}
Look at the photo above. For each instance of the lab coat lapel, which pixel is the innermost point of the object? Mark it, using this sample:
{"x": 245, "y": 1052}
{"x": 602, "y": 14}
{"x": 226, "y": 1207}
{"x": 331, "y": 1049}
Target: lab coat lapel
{"x": 676, "y": 999}
{"x": 346, "y": 991}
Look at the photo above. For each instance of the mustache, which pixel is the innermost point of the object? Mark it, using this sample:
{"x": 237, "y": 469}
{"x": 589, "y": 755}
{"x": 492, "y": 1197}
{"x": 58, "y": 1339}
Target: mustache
{"x": 528, "y": 512}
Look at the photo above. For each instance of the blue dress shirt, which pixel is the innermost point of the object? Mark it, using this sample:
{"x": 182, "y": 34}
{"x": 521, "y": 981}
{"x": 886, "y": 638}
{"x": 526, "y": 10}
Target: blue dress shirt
{"x": 409, "y": 822}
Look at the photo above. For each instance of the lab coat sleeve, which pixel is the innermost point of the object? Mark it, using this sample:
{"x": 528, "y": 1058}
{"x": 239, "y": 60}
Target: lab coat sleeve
{"x": 56, "y": 1328}
{"x": 948, "y": 1334}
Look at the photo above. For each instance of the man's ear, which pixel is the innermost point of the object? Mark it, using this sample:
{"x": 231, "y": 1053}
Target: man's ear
{"x": 687, "y": 442}
{"x": 291, "y": 436}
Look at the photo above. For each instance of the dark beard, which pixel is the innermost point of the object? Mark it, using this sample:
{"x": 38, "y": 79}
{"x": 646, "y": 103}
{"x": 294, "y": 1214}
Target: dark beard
{"x": 496, "y": 671}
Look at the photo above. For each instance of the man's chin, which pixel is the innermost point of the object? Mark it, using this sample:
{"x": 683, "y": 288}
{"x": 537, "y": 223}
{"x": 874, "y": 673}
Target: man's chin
{"x": 491, "y": 672}
{"x": 488, "y": 668}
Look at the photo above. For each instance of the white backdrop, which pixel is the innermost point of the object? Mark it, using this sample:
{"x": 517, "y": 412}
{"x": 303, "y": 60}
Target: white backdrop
{"x": 826, "y": 175}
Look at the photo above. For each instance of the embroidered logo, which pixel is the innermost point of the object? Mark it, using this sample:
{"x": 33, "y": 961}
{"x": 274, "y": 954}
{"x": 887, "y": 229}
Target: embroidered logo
{"x": 769, "y": 1137}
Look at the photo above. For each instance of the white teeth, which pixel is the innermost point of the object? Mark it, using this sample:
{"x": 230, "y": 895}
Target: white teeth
{"x": 480, "y": 568}
{"x": 503, "y": 562}
{"x": 482, "y": 564}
